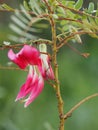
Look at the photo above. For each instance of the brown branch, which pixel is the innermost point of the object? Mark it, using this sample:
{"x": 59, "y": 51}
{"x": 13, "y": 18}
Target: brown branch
{"x": 11, "y": 68}
{"x": 15, "y": 46}
{"x": 65, "y": 40}
{"x": 69, "y": 113}
{"x": 21, "y": 11}
{"x": 69, "y": 19}
{"x": 48, "y": 6}
{"x": 54, "y": 58}
{"x": 52, "y": 84}
{"x": 29, "y": 12}
{"x": 14, "y": 10}
{"x": 76, "y": 11}
{"x": 85, "y": 55}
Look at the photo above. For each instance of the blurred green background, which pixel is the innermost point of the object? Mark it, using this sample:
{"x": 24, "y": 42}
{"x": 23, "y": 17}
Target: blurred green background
{"x": 78, "y": 79}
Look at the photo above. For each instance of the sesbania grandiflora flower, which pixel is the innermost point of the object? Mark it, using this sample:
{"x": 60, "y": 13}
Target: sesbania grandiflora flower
{"x": 39, "y": 69}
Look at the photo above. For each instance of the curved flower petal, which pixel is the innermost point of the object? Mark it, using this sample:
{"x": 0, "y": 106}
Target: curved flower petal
{"x": 19, "y": 60}
{"x": 27, "y": 55}
{"x": 37, "y": 89}
{"x": 33, "y": 86}
{"x": 25, "y": 89}
{"x": 31, "y": 54}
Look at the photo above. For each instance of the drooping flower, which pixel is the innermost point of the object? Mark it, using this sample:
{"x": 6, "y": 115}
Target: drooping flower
{"x": 40, "y": 69}
{"x": 32, "y": 87}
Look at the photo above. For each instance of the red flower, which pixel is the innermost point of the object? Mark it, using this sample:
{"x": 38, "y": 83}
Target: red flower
{"x": 40, "y": 69}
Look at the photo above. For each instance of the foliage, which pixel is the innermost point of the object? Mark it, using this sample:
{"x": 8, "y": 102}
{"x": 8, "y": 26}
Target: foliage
{"x": 70, "y": 17}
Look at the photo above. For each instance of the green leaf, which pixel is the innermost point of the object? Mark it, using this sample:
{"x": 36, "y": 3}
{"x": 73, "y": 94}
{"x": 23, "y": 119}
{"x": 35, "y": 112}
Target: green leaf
{"x": 35, "y": 6}
{"x": 55, "y": 16}
{"x": 26, "y": 5}
{"x": 21, "y": 17}
{"x": 25, "y": 25}
{"x": 78, "y": 4}
{"x": 91, "y": 7}
{"x": 96, "y": 19}
{"x": 26, "y": 13}
{"x": 77, "y": 36}
{"x": 7, "y": 7}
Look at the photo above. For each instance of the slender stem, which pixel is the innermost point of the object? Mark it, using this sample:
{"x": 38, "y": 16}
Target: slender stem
{"x": 15, "y": 46}
{"x": 66, "y": 39}
{"x": 57, "y": 84}
{"x": 69, "y": 113}
{"x": 11, "y": 68}
{"x": 54, "y": 57}
{"x": 22, "y": 11}
{"x": 69, "y": 19}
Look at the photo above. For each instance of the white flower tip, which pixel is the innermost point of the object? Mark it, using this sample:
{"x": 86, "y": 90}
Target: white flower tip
{"x": 16, "y": 100}
{"x": 25, "y": 105}
{"x": 43, "y": 47}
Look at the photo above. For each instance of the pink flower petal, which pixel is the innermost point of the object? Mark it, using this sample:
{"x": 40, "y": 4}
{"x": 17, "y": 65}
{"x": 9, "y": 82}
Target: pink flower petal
{"x": 19, "y": 60}
{"x": 50, "y": 73}
{"x": 25, "y": 89}
{"x": 27, "y": 55}
{"x": 37, "y": 89}
{"x": 33, "y": 86}
{"x": 31, "y": 54}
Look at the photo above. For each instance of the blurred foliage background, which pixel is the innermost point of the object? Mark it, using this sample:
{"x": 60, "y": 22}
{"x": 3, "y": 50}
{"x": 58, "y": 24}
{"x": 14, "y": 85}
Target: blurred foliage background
{"x": 78, "y": 79}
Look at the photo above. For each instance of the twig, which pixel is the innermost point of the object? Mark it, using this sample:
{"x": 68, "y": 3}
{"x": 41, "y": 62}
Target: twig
{"x": 65, "y": 40}
{"x": 52, "y": 84}
{"x": 15, "y": 46}
{"x": 14, "y": 10}
{"x": 54, "y": 58}
{"x": 11, "y": 68}
{"x": 21, "y": 11}
{"x": 69, "y": 113}
{"x": 69, "y": 19}
{"x": 76, "y": 11}
{"x": 48, "y": 6}
{"x": 85, "y": 55}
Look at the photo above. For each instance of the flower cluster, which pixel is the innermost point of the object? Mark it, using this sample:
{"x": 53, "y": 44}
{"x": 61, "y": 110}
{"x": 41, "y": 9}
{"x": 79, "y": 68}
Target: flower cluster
{"x": 39, "y": 69}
